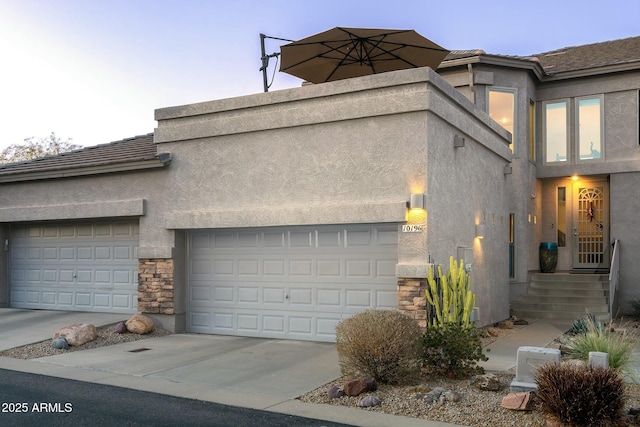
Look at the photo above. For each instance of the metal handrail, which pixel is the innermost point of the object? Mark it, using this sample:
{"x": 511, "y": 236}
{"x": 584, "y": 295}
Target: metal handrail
{"x": 614, "y": 276}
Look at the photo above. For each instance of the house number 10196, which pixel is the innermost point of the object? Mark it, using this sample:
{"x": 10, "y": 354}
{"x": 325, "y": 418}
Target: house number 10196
{"x": 412, "y": 228}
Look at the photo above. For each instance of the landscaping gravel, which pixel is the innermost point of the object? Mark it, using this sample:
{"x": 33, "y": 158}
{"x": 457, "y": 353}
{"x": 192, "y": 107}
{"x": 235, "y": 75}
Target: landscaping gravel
{"x": 106, "y": 336}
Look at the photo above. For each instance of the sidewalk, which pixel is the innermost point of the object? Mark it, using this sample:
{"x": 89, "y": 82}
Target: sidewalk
{"x": 247, "y": 372}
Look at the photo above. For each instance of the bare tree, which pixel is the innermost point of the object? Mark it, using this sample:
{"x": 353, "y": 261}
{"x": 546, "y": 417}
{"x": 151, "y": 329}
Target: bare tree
{"x": 34, "y": 148}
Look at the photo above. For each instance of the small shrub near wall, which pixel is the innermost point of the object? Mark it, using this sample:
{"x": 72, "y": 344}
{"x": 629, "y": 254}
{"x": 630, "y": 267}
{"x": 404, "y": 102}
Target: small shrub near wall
{"x": 452, "y": 350}
{"x": 382, "y": 343}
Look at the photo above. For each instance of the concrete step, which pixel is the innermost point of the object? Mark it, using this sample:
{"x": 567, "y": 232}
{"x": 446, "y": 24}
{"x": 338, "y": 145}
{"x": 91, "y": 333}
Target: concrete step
{"x": 568, "y": 285}
{"x": 576, "y": 306}
{"x": 564, "y": 296}
{"x": 568, "y": 293}
{"x": 567, "y": 316}
{"x": 567, "y": 277}
{"x": 564, "y": 299}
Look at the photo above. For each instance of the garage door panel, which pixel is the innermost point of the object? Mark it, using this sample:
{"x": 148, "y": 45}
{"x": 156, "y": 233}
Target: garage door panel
{"x": 248, "y": 295}
{"x": 296, "y": 282}
{"x": 223, "y": 294}
{"x": 248, "y": 267}
{"x": 248, "y": 322}
{"x": 85, "y": 267}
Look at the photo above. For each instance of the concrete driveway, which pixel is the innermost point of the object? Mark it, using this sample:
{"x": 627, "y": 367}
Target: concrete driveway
{"x": 250, "y": 372}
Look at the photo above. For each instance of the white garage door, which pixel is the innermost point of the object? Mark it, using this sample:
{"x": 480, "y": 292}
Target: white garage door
{"x": 289, "y": 282}
{"x": 85, "y": 267}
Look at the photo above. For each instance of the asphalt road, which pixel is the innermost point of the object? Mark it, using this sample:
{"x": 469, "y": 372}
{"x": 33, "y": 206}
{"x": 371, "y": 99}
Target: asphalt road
{"x": 28, "y": 400}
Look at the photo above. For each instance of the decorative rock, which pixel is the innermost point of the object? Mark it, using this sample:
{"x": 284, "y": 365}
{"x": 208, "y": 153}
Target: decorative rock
{"x": 487, "y": 382}
{"x": 77, "y": 333}
{"x": 369, "y": 401}
{"x": 492, "y": 332}
{"x": 505, "y": 324}
{"x": 520, "y": 322}
{"x": 60, "y": 343}
{"x": 361, "y": 385}
{"x": 518, "y": 401}
{"x": 422, "y": 388}
{"x": 139, "y": 324}
{"x": 121, "y": 328}
{"x": 335, "y": 392}
{"x": 451, "y": 396}
{"x": 433, "y": 395}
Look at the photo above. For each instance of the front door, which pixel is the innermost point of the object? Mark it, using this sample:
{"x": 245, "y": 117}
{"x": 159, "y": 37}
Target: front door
{"x": 591, "y": 224}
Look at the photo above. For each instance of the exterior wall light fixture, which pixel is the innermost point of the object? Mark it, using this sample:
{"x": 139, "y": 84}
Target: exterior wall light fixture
{"x": 416, "y": 201}
{"x": 480, "y": 230}
{"x": 458, "y": 141}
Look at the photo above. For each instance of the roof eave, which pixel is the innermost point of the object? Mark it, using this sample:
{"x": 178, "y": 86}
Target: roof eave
{"x": 499, "y": 61}
{"x": 84, "y": 171}
{"x": 589, "y": 72}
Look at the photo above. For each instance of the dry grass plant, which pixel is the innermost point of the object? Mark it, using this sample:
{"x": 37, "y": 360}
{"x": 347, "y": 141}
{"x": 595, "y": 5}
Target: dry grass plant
{"x": 618, "y": 342}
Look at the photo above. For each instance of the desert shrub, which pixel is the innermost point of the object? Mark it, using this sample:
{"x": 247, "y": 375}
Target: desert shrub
{"x": 452, "y": 350}
{"x": 618, "y": 344}
{"x": 580, "y": 395}
{"x": 581, "y": 326}
{"x": 382, "y": 343}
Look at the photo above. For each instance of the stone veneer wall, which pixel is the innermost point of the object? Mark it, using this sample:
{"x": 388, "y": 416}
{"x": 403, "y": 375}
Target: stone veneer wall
{"x": 156, "y": 286}
{"x": 412, "y": 300}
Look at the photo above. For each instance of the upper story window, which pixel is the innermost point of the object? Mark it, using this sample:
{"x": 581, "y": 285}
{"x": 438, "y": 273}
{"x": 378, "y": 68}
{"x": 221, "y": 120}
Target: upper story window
{"x": 589, "y": 131}
{"x": 502, "y": 109}
{"x": 585, "y": 142}
{"x": 555, "y": 136}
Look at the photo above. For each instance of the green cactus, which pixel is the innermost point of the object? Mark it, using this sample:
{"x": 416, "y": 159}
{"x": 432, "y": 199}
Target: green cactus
{"x": 454, "y": 301}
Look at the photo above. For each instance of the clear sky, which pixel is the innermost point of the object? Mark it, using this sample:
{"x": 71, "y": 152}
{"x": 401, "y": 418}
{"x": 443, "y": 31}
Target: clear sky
{"x": 95, "y": 70}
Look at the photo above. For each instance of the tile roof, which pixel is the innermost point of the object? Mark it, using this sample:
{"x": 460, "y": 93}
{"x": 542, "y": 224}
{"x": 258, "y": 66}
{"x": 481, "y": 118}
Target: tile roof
{"x": 574, "y": 58}
{"x": 595, "y": 55}
{"x": 105, "y": 157}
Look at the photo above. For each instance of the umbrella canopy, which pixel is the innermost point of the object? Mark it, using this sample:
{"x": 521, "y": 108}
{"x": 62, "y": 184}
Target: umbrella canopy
{"x": 342, "y": 53}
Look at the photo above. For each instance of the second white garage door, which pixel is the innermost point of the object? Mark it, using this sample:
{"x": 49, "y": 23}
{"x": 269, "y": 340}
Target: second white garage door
{"x": 293, "y": 282}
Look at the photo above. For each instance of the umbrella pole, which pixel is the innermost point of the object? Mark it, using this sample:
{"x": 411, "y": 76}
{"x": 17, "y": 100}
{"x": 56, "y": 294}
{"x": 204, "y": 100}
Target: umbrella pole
{"x": 265, "y": 59}
{"x": 265, "y": 63}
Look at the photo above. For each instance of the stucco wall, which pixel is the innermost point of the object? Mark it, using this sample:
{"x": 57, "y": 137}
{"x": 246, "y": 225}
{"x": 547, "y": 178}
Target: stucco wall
{"x": 625, "y": 223}
{"x": 467, "y": 186}
{"x": 140, "y": 194}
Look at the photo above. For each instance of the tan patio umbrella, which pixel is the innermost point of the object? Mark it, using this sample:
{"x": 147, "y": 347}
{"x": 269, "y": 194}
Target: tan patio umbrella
{"x": 342, "y": 53}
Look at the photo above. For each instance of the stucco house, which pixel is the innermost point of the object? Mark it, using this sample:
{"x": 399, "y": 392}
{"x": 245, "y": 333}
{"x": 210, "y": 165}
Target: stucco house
{"x": 279, "y": 214}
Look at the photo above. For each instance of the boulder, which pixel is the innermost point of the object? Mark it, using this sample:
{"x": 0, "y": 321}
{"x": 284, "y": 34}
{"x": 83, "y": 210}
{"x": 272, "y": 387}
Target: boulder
{"x": 139, "y": 324}
{"x": 335, "y": 392}
{"x": 492, "y": 332}
{"x": 486, "y": 382}
{"x": 505, "y": 324}
{"x": 121, "y": 328}
{"x": 361, "y": 385}
{"x": 369, "y": 401}
{"x": 77, "y": 333}
{"x": 60, "y": 343}
{"x": 518, "y": 401}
